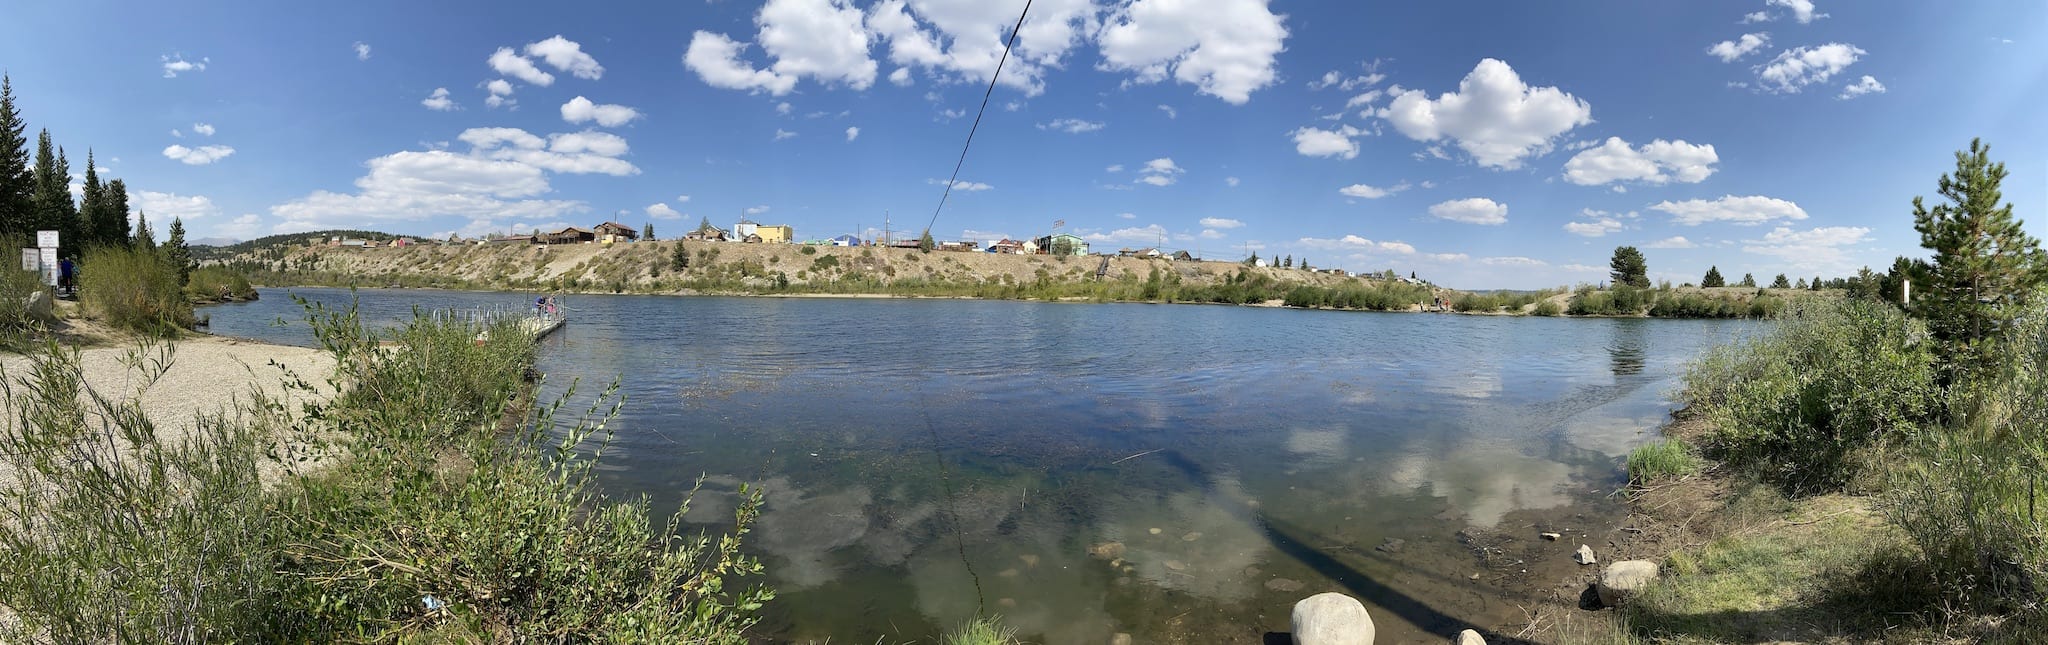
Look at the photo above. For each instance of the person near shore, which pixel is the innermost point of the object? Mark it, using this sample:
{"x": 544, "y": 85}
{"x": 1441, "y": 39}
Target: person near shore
{"x": 67, "y": 276}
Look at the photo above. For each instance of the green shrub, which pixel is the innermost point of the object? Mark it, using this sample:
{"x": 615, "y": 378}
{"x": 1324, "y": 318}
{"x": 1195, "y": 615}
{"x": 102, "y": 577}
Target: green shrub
{"x": 982, "y": 631}
{"x": 17, "y": 326}
{"x": 134, "y": 290}
{"x": 1975, "y": 496}
{"x": 808, "y": 250}
{"x": 1831, "y": 377}
{"x": 213, "y": 283}
{"x": 1546, "y": 308}
{"x": 1661, "y": 459}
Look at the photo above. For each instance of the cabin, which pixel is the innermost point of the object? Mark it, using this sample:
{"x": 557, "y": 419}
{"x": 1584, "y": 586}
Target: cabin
{"x": 1181, "y": 256}
{"x": 751, "y": 239}
{"x": 1007, "y": 246}
{"x": 905, "y": 244}
{"x": 513, "y": 239}
{"x": 707, "y": 234}
{"x": 1140, "y": 253}
{"x": 610, "y": 232}
{"x": 845, "y": 240}
{"x": 958, "y": 247}
{"x": 570, "y": 235}
{"x": 1062, "y": 244}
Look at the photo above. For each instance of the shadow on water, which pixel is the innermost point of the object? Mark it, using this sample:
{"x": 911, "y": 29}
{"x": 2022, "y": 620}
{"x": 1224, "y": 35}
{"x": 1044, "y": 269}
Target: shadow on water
{"x": 1291, "y": 541}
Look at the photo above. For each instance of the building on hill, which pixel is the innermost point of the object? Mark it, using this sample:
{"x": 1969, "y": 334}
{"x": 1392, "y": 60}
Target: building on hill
{"x": 1062, "y": 244}
{"x": 957, "y": 247}
{"x": 1140, "y": 253}
{"x": 513, "y": 239}
{"x": 845, "y": 240}
{"x": 708, "y": 234}
{"x": 744, "y": 228}
{"x": 1007, "y": 246}
{"x": 1182, "y": 256}
{"x": 570, "y": 235}
{"x": 610, "y": 232}
{"x": 775, "y": 233}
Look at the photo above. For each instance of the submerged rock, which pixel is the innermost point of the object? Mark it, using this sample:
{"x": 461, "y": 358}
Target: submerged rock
{"x": 1331, "y": 619}
{"x": 1107, "y": 550}
{"x": 1283, "y": 585}
{"x": 1584, "y": 555}
{"x": 1623, "y": 580}
{"x": 1550, "y": 536}
{"x": 1120, "y": 639}
{"x": 1392, "y": 545}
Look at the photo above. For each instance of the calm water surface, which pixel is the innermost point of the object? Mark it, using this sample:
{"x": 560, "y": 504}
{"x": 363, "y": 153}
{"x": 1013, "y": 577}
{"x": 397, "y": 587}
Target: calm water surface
{"x": 1179, "y": 473}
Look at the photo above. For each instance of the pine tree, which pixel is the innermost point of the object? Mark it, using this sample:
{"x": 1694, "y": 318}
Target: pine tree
{"x": 1780, "y": 283}
{"x": 1254, "y": 261}
{"x": 145, "y": 239}
{"x": 704, "y": 226}
{"x": 1800, "y": 285}
{"x": 647, "y": 232}
{"x": 17, "y": 180}
{"x": 1629, "y": 268}
{"x": 114, "y": 227}
{"x": 91, "y": 205}
{"x": 1713, "y": 278}
{"x": 1816, "y": 283}
{"x": 1985, "y": 265}
{"x": 1747, "y": 281}
{"x": 52, "y": 189}
{"x": 176, "y": 253}
{"x": 925, "y": 243}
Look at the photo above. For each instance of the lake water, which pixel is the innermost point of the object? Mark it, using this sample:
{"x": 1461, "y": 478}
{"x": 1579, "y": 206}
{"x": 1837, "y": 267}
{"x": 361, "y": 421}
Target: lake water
{"x": 1179, "y": 473}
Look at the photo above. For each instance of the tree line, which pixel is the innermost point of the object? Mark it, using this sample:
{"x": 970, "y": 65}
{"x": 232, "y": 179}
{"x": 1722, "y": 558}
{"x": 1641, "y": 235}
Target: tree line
{"x": 35, "y": 195}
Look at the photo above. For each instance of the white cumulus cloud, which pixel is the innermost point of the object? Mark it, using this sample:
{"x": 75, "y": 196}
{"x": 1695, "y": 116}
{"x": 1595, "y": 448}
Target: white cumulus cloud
{"x": 1317, "y": 142}
{"x": 1476, "y": 210}
{"x": 1225, "y": 48}
{"x": 205, "y": 129}
{"x": 1363, "y": 191}
{"x": 825, "y": 40}
{"x": 1730, "y": 50}
{"x": 1818, "y": 249}
{"x": 165, "y": 206}
{"x": 176, "y": 64}
{"x": 1673, "y": 242}
{"x": 963, "y": 185}
{"x": 1867, "y": 85}
{"x": 567, "y": 56}
{"x": 1160, "y": 172}
{"x": 1802, "y": 10}
{"x": 1219, "y": 222}
{"x": 1148, "y": 234}
{"x": 362, "y": 53}
{"x": 852, "y": 133}
{"x": 663, "y": 211}
{"x": 439, "y": 101}
{"x": 579, "y": 110}
{"x": 199, "y": 156}
{"x": 1493, "y": 116}
{"x": 510, "y": 63}
{"x": 1656, "y": 162}
{"x": 1596, "y": 227}
{"x": 1751, "y": 210}
{"x": 501, "y": 93}
{"x": 1797, "y": 68}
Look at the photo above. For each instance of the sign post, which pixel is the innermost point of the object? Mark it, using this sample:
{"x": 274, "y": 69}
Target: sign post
{"x": 46, "y": 242}
{"x": 31, "y": 259}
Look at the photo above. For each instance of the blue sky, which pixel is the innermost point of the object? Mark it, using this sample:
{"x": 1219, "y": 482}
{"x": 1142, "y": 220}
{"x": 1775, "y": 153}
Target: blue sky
{"x": 1484, "y": 144}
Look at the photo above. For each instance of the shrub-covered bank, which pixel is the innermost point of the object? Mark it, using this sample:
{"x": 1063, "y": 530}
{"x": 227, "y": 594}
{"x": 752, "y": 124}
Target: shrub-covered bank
{"x": 1891, "y": 454}
{"x": 431, "y": 500}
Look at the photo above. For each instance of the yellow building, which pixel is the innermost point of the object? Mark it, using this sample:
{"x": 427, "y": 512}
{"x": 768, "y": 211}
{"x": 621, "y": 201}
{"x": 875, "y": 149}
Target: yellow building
{"x": 778, "y": 234}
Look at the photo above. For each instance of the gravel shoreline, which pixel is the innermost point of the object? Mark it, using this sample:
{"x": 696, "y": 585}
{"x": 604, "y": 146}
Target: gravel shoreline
{"x": 207, "y": 375}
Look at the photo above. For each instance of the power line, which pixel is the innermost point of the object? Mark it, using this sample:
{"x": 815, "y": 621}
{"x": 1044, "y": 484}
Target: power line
{"x": 977, "y": 117}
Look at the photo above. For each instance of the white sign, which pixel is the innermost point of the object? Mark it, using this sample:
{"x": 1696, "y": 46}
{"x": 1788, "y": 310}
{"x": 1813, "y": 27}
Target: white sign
{"x": 31, "y": 260}
{"x": 50, "y": 266}
{"x": 46, "y": 239}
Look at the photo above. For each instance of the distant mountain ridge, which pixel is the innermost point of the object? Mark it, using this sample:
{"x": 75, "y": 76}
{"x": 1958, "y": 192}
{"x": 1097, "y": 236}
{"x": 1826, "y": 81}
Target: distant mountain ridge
{"x": 204, "y": 251}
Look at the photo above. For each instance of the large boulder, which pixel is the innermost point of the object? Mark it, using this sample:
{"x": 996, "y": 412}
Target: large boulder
{"x": 1331, "y": 619}
{"x": 41, "y": 306}
{"x": 1469, "y": 637}
{"x": 1623, "y": 580}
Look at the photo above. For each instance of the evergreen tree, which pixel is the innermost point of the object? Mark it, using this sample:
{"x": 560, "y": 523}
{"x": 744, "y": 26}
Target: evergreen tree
{"x": 1254, "y": 261}
{"x": 1304, "y": 264}
{"x": 1781, "y": 283}
{"x": 114, "y": 227}
{"x": 53, "y": 207}
{"x": 91, "y": 205}
{"x": 1411, "y": 275}
{"x": 17, "y": 180}
{"x": 647, "y": 232}
{"x": 925, "y": 243}
{"x": 176, "y": 253}
{"x": 1289, "y": 262}
{"x": 1800, "y": 285}
{"x": 1747, "y": 281}
{"x": 1713, "y": 278}
{"x": 1629, "y": 268}
{"x": 704, "y": 226}
{"x": 1985, "y": 265}
{"x": 1904, "y": 269}
{"x": 145, "y": 239}
{"x": 1816, "y": 283}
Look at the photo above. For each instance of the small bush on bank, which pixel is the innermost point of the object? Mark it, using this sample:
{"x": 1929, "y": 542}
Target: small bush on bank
{"x": 1662, "y": 459}
{"x": 1546, "y": 308}
{"x": 982, "y": 631}
{"x": 1833, "y": 377}
{"x": 218, "y": 284}
{"x": 133, "y": 289}
{"x": 17, "y": 324}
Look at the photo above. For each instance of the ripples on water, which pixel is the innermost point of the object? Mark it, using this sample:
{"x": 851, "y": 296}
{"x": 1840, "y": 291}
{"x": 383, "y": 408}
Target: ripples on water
{"x": 893, "y": 436}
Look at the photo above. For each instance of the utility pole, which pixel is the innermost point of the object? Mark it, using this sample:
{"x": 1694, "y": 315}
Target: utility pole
{"x": 885, "y": 227}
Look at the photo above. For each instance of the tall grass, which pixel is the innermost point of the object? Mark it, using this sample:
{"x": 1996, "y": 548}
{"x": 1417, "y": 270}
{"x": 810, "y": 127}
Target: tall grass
{"x": 18, "y": 325}
{"x": 133, "y": 289}
{"x": 215, "y": 284}
{"x": 450, "y": 508}
{"x": 1661, "y": 459}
